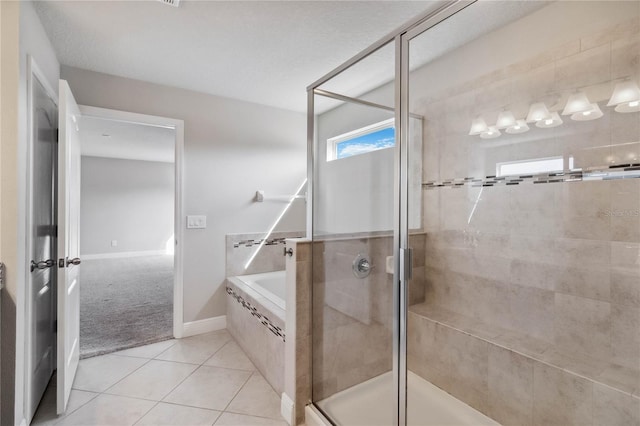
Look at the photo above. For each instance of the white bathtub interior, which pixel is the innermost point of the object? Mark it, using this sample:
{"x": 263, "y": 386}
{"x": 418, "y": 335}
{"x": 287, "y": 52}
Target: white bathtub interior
{"x": 270, "y": 285}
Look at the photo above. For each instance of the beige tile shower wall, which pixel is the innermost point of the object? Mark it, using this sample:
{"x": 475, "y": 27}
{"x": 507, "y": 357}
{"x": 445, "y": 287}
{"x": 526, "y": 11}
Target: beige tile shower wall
{"x": 555, "y": 262}
{"x": 352, "y": 317}
{"x": 512, "y": 388}
{"x": 533, "y": 290}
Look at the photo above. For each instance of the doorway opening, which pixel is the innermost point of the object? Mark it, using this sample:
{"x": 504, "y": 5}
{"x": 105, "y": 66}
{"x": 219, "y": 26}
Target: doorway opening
{"x": 127, "y": 234}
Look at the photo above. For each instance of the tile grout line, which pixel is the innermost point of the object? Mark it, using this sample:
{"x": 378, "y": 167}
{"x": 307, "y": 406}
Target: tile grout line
{"x": 130, "y": 373}
{"x": 65, "y": 415}
{"x": 239, "y": 390}
{"x": 190, "y": 374}
{"x": 147, "y": 412}
{"x": 218, "y": 350}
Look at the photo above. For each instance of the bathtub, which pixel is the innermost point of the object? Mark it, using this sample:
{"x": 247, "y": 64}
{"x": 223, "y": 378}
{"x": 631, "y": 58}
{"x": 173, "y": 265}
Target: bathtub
{"x": 271, "y": 285}
{"x": 256, "y": 320}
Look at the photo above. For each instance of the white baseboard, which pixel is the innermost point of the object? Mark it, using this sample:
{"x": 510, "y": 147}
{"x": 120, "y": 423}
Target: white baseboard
{"x": 121, "y": 254}
{"x": 287, "y": 409}
{"x": 204, "y": 326}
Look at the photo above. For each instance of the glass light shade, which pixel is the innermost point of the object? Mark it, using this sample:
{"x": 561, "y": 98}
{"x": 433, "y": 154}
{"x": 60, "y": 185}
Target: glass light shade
{"x": 537, "y": 112}
{"x": 519, "y": 127}
{"x": 626, "y": 97}
{"x": 505, "y": 119}
{"x": 491, "y": 133}
{"x": 554, "y": 120}
{"x": 478, "y": 125}
{"x": 591, "y": 114}
{"x": 578, "y": 102}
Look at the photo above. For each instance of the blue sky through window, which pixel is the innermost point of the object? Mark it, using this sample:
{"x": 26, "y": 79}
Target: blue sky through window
{"x": 373, "y": 141}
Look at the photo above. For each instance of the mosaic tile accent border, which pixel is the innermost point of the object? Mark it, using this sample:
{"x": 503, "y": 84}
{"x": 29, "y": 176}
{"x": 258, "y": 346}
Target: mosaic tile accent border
{"x": 618, "y": 171}
{"x": 250, "y": 243}
{"x": 254, "y": 311}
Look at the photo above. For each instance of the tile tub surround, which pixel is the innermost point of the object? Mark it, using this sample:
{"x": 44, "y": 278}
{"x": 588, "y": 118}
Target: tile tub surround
{"x": 257, "y": 325}
{"x": 269, "y": 248}
{"x": 352, "y": 317}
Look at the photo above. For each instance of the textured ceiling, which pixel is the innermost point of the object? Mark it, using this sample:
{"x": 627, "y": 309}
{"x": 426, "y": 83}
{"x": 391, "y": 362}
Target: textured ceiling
{"x": 259, "y": 51}
{"x": 130, "y": 141}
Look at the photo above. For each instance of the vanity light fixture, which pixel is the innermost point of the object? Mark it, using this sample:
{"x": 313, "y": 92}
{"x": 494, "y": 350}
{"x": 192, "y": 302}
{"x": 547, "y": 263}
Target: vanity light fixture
{"x": 537, "y": 112}
{"x": 491, "y": 133}
{"x": 478, "y": 126}
{"x": 577, "y": 102}
{"x": 593, "y": 113}
{"x": 505, "y": 120}
{"x": 553, "y": 120}
{"x": 626, "y": 97}
{"x": 520, "y": 127}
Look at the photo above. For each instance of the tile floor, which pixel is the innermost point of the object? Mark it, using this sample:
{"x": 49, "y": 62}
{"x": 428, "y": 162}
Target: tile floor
{"x": 199, "y": 380}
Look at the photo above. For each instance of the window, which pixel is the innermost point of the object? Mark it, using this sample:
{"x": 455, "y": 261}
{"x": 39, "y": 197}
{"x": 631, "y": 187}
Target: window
{"x": 534, "y": 166}
{"x": 367, "y": 139}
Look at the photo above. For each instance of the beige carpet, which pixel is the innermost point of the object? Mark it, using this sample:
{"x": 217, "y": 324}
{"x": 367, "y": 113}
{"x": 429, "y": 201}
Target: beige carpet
{"x": 125, "y": 303}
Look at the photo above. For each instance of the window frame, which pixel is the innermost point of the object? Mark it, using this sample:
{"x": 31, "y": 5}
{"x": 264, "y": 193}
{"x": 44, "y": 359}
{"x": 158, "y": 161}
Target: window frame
{"x": 332, "y": 143}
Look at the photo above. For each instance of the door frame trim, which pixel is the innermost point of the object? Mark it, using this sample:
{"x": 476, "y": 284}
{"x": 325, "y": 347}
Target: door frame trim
{"x": 33, "y": 72}
{"x": 178, "y": 219}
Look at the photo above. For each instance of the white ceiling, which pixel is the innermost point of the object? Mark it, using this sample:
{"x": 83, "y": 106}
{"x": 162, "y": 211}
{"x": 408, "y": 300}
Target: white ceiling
{"x": 130, "y": 141}
{"x": 266, "y": 52}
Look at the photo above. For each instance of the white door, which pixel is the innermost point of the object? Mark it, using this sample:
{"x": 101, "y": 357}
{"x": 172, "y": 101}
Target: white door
{"x": 41, "y": 356}
{"x": 68, "y": 244}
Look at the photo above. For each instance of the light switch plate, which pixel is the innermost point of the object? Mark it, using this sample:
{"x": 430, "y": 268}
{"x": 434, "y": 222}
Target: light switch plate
{"x": 196, "y": 222}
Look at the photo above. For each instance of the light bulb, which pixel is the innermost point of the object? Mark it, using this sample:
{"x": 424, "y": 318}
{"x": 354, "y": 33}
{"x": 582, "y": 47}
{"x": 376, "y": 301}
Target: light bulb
{"x": 578, "y": 102}
{"x": 478, "y": 125}
{"x": 519, "y": 127}
{"x": 505, "y": 119}
{"x": 626, "y": 97}
{"x": 593, "y": 113}
{"x": 538, "y": 111}
{"x": 553, "y": 120}
{"x": 491, "y": 133}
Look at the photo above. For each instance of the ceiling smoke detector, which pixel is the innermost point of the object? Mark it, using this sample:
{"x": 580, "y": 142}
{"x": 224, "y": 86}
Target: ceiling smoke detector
{"x": 174, "y": 3}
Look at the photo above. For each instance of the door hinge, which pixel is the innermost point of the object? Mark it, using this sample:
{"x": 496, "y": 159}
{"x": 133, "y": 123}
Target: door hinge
{"x": 406, "y": 263}
{"x": 57, "y": 135}
{"x": 55, "y": 231}
{"x": 55, "y": 326}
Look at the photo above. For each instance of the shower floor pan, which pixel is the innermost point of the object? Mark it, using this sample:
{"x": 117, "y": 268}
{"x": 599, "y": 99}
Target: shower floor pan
{"x": 370, "y": 404}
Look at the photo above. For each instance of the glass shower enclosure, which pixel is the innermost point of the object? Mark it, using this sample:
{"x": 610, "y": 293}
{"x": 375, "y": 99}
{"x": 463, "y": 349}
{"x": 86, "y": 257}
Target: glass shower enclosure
{"x": 476, "y": 219}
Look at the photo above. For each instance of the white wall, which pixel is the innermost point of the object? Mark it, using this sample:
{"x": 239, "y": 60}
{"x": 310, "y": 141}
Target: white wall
{"x": 232, "y": 149}
{"x": 129, "y": 201}
{"x": 22, "y": 34}
{"x": 356, "y": 194}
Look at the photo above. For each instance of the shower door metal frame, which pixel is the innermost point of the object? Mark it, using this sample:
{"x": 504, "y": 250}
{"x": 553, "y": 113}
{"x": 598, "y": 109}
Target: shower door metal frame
{"x": 402, "y": 252}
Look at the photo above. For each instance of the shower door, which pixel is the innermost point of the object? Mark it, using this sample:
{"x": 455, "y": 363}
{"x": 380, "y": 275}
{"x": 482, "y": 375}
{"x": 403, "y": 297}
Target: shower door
{"x": 530, "y": 311}
{"x": 476, "y": 220}
{"x": 356, "y": 243}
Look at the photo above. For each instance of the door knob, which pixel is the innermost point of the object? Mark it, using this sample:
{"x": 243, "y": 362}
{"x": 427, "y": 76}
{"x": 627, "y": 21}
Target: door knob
{"x": 43, "y": 264}
{"x": 74, "y": 261}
